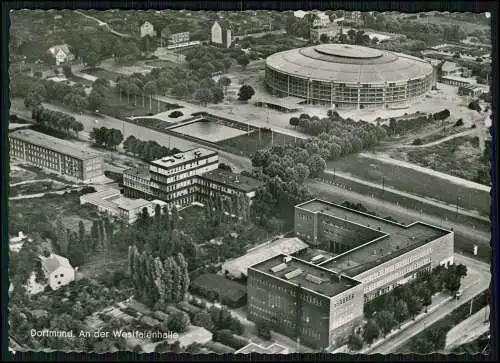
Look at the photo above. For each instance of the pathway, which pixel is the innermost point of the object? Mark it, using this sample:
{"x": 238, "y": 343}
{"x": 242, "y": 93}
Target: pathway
{"x": 104, "y": 25}
{"x": 34, "y": 181}
{"x": 453, "y": 179}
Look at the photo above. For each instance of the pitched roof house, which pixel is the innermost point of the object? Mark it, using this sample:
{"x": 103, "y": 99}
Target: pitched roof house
{"x": 60, "y": 54}
{"x": 58, "y": 270}
{"x": 221, "y": 34}
{"x": 147, "y": 29}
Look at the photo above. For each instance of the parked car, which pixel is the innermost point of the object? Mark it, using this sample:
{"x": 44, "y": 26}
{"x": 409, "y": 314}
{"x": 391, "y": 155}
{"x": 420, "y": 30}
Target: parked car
{"x": 458, "y": 294}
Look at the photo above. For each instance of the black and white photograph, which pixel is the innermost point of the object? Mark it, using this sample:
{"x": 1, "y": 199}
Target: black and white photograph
{"x": 237, "y": 182}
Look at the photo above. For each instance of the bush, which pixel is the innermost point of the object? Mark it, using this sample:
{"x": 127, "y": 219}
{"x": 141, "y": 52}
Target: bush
{"x": 263, "y": 330}
{"x": 459, "y": 122}
{"x": 227, "y": 338}
{"x": 175, "y": 114}
{"x": 417, "y": 142}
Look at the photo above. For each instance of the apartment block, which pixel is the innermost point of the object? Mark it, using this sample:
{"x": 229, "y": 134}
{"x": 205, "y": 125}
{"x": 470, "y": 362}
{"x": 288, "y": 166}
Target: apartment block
{"x": 60, "y": 156}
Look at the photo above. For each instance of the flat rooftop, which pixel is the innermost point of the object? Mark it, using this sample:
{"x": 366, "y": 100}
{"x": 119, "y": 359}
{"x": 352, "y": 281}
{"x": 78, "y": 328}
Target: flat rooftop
{"x": 184, "y": 157}
{"x": 396, "y": 240}
{"x": 111, "y": 198}
{"x": 314, "y": 255}
{"x": 236, "y": 181}
{"x": 326, "y": 282}
{"x": 55, "y": 144}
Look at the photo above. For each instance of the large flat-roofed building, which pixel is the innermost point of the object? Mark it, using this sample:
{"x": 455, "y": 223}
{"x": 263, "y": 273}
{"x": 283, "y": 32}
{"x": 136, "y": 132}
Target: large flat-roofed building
{"x": 300, "y": 299}
{"x": 238, "y": 267}
{"x": 110, "y": 201}
{"x": 187, "y": 177}
{"x": 227, "y": 183}
{"x": 60, "y": 156}
{"x": 379, "y": 253}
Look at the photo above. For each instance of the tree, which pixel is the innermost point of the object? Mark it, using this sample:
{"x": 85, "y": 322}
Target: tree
{"x": 67, "y": 71}
{"x": 426, "y": 296}
{"x": 203, "y": 319}
{"x": 91, "y": 59}
{"x": 203, "y": 95}
{"x": 316, "y": 165}
{"x": 371, "y": 331}
{"x": 421, "y": 345}
{"x": 461, "y": 270}
{"x": 355, "y": 342}
{"x": 294, "y": 121}
{"x": 76, "y": 102}
{"x": 33, "y": 100}
{"x": 263, "y": 330}
{"x": 385, "y": 320}
{"x": 401, "y": 311}
{"x": 96, "y": 98}
{"x": 452, "y": 283}
{"x": 178, "y": 322}
{"x": 245, "y": 93}
{"x": 225, "y": 82}
{"x": 414, "y": 305}
{"x": 243, "y": 60}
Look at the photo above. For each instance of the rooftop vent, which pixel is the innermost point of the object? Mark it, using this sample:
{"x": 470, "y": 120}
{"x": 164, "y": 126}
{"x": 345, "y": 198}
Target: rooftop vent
{"x": 178, "y": 156}
{"x": 314, "y": 279}
{"x": 294, "y": 273}
{"x": 287, "y": 259}
{"x": 278, "y": 268}
{"x": 412, "y": 238}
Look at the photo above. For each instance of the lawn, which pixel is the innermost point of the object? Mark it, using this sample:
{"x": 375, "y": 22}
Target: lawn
{"x": 102, "y": 73}
{"x": 18, "y": 174}
{"x": 158, "y": 63}
{"x": 459, "y": 157}
{"x": 414, "y": 182}
{"x": 248, "y": 144}
{"x": 38, "y": 214}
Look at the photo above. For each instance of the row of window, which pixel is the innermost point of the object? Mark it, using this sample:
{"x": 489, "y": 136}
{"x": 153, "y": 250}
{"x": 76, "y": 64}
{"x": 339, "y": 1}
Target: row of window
{"x": 396, "y": 275}
{"x": 305, "y": 217}
{"x": 343, "y": 300}
{"x": 342, "y": 320}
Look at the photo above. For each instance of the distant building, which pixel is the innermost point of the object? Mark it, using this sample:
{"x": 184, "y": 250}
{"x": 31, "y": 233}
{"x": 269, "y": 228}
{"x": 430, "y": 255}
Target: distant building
{"x": 320, "y": 20}
{"x": 58, "y": 271}
{"x": 470, "y": 90}
{"x": 450, "y": 69}
{"x": 110, "y": 201}
{"x": 186, "y": 178}
{"x": 274, "y": 348}
{"x": 221, "y": 34}
{"x": 331, "y": 31}
{"x": 178, "y": 38}
{"x": 299, "y": 14}
{"x": 60, "y": 54}
{"x": 456, "y": 81}
{"x": 61, "y": 156}
{"x": 147, "y": 29}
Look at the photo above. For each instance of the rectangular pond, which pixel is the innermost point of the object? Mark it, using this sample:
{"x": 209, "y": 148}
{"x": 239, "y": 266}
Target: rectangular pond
{"x": 209, "y": 131}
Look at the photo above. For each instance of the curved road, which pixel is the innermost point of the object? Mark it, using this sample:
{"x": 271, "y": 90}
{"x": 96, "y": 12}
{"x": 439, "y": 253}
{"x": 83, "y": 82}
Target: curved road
{"x": 105, "y": 25}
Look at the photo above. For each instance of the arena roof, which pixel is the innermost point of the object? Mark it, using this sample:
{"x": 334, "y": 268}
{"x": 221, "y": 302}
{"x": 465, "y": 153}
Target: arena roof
{"x": 348, "y": 64}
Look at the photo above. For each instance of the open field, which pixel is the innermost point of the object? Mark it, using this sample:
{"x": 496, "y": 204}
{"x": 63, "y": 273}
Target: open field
{"x": 18, "y": 174}
{"x": 248, "y": 144}
{"x": 460, "y": 157}
{"x": 414, "y": 182}
{"x": 158, "y": 63}
{"x": 38, "y": 214}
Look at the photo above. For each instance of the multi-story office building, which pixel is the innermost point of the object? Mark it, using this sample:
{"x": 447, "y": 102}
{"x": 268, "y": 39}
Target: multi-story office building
{"x": 60, "y": 156}
{"x": 136, "y": 183}
{"x": 184, "y": 178}
{"x": 379, "y": 253}
{"x": 173, "y": 178}
{"x": 305, "y": 301}
{"x": 367, "y": 257}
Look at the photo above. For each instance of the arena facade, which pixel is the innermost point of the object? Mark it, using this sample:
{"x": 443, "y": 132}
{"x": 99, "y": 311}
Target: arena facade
{"x": 348, "y": 76}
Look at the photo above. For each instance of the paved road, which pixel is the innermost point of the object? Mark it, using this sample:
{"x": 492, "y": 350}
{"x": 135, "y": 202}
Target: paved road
{"x": 35, "y": 181}
{"x": 469, "y": 329}
{"x": 461, "y": 210}
{"x": 401, "y": 214}
{"x": 477, "y": 280}
{"x": 238, "y": 162}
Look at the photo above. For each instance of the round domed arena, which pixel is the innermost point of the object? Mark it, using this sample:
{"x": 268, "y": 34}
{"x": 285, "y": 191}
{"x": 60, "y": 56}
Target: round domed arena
{"x": 347, "y": 76}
